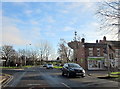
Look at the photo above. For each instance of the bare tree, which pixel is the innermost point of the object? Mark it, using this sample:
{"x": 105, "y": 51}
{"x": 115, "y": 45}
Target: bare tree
{"x": 64, "y": 51}
{"x": 45, "y": 49}
{"x": 7, "y": 52}
{"x": 21, "y": 55}
{"x": 34, "y": 56}
{"x": 108, "y": 13}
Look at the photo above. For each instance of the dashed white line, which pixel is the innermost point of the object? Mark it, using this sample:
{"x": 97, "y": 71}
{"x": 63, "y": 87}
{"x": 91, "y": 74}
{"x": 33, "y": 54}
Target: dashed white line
{"x": 34, "y": 84}
{"x": 66, "y": 85}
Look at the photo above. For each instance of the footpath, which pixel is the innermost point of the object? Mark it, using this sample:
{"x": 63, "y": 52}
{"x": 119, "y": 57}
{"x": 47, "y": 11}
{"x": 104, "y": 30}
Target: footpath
{"x": 95, "y": 73}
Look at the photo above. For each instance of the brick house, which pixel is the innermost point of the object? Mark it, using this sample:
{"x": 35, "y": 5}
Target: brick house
{"x": 93, "y": 56}
{"x": 113, "y": 51}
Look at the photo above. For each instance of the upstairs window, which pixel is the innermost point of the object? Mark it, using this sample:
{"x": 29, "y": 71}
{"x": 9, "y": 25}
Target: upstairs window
{"x": 117, "y": 53}
{"x": 90, "y": 51}
{"x": 98, "y": 51}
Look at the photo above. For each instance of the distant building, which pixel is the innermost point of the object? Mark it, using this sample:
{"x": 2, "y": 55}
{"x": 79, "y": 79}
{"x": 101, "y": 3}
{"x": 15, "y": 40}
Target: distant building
{"x": 94, "y": 56}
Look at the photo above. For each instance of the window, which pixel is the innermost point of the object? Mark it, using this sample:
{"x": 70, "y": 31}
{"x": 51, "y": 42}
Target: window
{"x": 90, "y": 51}
{"x": 111, "y": 56}
{"x": 98, "y": 51}
{"x": 117, "y": 53}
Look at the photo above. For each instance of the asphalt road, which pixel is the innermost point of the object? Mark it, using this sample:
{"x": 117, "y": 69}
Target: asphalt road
{"x": 38, "y": 77}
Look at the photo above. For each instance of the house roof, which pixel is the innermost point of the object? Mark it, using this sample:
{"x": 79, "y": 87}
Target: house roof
{"x": 94, "y": 45}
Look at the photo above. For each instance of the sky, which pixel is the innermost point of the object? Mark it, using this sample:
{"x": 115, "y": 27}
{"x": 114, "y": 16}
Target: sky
{"x": 25, "y": 23}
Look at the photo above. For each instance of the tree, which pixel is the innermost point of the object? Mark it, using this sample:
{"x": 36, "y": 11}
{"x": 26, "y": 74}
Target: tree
{"x": 64, "y": 51}
{"x": 7, "y": 52}
{"x": 34, "y": 56}
{"x": 109, "y": 14}
{"x": 21, "y": 55}
{"x": 44, "y": 49}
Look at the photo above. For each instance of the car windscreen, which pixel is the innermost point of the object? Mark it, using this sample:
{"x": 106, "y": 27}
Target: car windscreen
{"x": 49, "y": 64}
{"x": 74, "y": 65}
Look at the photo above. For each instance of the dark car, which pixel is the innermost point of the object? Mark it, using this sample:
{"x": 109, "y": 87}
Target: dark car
{"x": 73, "y": 69}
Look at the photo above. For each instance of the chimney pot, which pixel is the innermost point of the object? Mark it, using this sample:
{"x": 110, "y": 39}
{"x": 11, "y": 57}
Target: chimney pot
{"x": 96, "y": 41}
{"x": 83, "y": 40}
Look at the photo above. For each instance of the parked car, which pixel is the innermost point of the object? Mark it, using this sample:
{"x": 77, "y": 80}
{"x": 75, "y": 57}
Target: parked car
{"x": 49, "y": 66}
{"x": 73, "y": 69}
{"x": 45, "y": 65}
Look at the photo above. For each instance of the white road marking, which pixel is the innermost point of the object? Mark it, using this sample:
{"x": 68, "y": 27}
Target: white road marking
{"x": 34, "y": 84}
{"x": 66, "y": 85}
{"x": 7, "y": 81}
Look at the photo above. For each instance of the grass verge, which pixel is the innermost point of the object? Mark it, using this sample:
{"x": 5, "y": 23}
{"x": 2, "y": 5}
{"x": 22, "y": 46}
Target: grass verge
{"x": 57, "y": 67}
{"x": 114, "y": 76}
{"x": 28, "y": 66}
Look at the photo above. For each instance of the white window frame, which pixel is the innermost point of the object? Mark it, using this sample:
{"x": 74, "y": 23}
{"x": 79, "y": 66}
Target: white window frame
{"x": 98, "y": 51}
{"x": 90, "y": 51}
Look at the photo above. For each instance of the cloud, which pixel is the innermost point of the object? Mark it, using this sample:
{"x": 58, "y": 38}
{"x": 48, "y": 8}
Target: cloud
{"x": 92, "y": 32}
{"x": 52, "y": 0}
{"x": 50, "y": 34}
{"x": 50, "y": 19}
{"x": 68, "y": 28}
{"x": 64, "y": 11}
{"x": 34, "y": 22}
{"x": 28, "y": 12}
{"x": 11, "y": 34}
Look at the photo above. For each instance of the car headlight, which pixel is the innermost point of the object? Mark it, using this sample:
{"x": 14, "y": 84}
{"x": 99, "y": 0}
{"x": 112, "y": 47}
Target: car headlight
{"x": 83, "y": 71}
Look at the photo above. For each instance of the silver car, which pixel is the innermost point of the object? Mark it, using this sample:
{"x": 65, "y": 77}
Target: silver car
{"x": 49, "y": 66}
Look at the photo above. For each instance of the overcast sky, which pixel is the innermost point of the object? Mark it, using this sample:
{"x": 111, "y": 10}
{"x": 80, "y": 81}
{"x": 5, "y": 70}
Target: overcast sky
{"x": 30, "y": 22}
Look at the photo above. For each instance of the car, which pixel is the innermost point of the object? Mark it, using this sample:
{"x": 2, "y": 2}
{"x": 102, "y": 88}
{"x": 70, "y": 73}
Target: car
{"x": 73, "y": 69}
{"x": 49, "y": 66}
{"x": 45, "y": 65}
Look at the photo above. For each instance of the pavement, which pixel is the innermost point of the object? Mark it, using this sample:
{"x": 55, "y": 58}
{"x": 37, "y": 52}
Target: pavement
{"x": 97, "y": 73}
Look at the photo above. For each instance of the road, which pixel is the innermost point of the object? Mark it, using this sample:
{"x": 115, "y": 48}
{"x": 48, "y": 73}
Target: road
{"x": 38, "y": 77}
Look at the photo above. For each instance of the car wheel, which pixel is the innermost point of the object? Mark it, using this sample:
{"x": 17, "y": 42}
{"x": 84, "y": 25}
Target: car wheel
{"x": 62, "y": 73}
{"x": 68, "y": 75}
{"x": 83, "y": 76}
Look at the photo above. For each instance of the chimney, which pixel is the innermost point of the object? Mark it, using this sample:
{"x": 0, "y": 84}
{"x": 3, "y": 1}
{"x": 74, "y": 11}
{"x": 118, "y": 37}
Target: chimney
{"x": 83, "y": 40}
{"x": 100, "y": 41}
{"x": 96, "y": 41}
{"x": 104, "y": 38}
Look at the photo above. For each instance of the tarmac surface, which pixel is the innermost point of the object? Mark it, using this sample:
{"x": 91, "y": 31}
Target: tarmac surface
{"x": 42, "y": 78}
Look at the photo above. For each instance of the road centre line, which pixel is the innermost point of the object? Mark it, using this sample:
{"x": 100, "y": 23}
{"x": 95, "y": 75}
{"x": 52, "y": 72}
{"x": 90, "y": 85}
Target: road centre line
{"x": 34, "y": 84}
{"x": 66, "y": 85}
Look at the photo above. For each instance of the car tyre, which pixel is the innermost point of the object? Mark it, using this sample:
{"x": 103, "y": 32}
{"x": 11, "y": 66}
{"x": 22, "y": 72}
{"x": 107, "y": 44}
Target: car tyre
{"x": 62, "y": 73}
{"x": 68, "y": 75}
{"x": 83, "y": 76}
